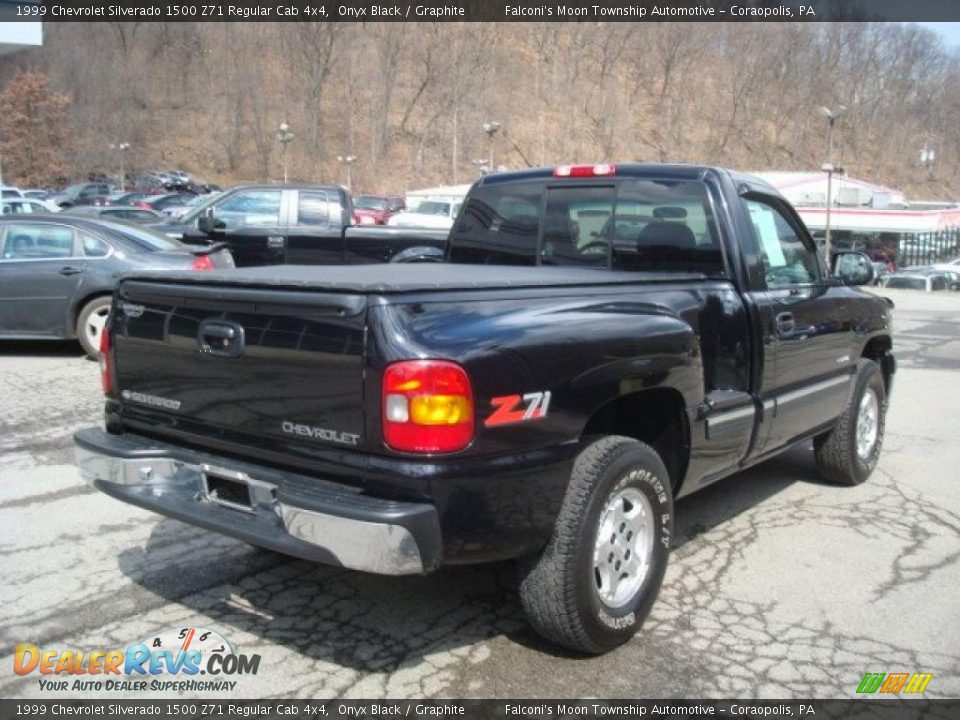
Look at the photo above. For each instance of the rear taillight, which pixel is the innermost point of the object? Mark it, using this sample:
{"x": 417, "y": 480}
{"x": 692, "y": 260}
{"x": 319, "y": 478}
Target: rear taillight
{"x": 427, "y": 407}
{"x": 106, "y": 371}
{"x": 598, "y": 170}
{"x": 202, "y": 262}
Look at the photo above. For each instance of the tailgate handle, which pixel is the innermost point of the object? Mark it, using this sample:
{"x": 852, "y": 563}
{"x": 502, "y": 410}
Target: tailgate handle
{"x": 221, "y": 337}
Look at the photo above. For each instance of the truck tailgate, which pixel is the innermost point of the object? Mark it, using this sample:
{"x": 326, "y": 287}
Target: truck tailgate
{"x": 242, "y": 363}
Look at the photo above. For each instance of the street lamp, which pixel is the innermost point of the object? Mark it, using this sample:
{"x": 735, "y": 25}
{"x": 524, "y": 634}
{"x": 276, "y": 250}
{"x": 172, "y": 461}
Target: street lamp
{"x": 347, "y": 161}
{"x": 490, "y": 128}
{"x": 927, "y": 156}
{"x": 831, "y": 115}
{"x": 284, "y": 136}
{"x": 482, "y": 165}
{"x": 122, "y": 147}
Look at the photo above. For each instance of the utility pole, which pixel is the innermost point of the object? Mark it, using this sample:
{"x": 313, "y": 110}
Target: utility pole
{"x": 490, "y": 128}
{"x": 347, "y": 161}
{"x": 284, "y": 136}
{"x": 831, "y": 115}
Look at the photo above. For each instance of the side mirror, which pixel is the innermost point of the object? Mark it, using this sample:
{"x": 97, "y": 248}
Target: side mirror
{"x": 208, "y": 224}
{"x": 854, "y": 268}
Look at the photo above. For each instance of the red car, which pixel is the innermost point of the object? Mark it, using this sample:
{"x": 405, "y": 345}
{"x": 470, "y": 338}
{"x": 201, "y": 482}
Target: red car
{"x": 376, "y": 209}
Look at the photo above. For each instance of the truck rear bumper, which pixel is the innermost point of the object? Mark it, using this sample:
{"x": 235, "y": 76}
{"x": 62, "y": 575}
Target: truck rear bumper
{"x": 292, "y": 514}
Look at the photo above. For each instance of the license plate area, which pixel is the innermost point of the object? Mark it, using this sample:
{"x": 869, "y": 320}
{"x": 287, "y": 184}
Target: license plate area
{"x": 227, "y": 488}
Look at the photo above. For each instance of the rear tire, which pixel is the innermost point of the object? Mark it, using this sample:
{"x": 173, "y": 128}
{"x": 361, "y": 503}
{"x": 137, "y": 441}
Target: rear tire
{"x": 585, "y": 591}
{"x": 849, "y": 452}
{"x": 90, "y": 323}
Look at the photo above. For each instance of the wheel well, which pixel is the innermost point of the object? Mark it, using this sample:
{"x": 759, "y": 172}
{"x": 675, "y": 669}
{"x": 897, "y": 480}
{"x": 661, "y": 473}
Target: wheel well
{"x": 878, "y": 349}
{"x": 656, "y": 417}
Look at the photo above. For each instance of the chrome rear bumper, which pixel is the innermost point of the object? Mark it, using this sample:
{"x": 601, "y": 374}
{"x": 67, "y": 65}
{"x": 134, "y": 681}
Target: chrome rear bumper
{"x": 293, "y": 514}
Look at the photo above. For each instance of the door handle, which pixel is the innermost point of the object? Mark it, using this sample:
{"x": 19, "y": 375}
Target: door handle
{"x": 70, "y": 270}
{"x": 275, "y": 242}
{"x": 785, "y": 323}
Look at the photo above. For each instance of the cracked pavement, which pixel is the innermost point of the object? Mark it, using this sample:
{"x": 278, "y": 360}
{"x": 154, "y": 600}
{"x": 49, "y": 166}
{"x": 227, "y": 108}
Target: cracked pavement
{"x": 779, "y": 586}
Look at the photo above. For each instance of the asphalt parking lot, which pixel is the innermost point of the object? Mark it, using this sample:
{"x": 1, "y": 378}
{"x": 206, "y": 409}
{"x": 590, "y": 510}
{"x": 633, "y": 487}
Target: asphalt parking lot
{"x": 779, "y": 586}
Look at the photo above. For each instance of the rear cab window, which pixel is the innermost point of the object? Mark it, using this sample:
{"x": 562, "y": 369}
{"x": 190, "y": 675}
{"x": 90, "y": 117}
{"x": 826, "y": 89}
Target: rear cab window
{"x": 627, "y": 224}
{"x": 313, "y": 208}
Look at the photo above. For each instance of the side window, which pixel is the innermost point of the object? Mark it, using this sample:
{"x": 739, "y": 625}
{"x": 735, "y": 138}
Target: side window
{"x": 786, "y": 260}
{"x": 938, "y": 283}
{"x": 313, "y": 209}
{"x": 249, "y": 208}
{"x": 93, "y": 246}
{"x": 37, "y": 242}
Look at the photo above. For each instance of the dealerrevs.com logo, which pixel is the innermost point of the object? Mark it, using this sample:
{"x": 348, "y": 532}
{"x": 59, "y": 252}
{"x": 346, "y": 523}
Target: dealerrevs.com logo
{"x": 173, "y": 659}
{"x": 894, "y": 683}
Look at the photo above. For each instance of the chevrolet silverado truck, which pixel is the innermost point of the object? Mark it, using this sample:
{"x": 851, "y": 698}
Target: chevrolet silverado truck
{"x": 600, "y": 341}
{"x": 299, "y": 225}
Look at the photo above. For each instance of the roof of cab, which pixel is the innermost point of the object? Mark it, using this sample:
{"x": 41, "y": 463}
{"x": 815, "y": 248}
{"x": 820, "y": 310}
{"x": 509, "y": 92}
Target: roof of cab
{"x": 639, "y": 170}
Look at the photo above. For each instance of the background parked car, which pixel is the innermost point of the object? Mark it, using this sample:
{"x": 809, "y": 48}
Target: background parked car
{"x": 161, "y": 203}
{"x": 125, "y": 198}
{"x": 375, "y": 209}
{"x": 94, "y": 193}
{"x": 438, "y": 214}
{"x": 915, "y": 281}
{"x": 140, "y": 216}
{"x": 952, "y": 277}
{"x": 881, "y": 269}
{"x": 57, "y": 272}
{"x": 37, "y": 193}
{"x": 27, "y": 205}
{"x": 8, "y": 191}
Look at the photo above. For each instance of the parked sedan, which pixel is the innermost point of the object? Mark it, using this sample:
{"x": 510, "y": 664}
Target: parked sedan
{"x": 162, "y": 203}
{"x": 137, "y": 215}
{"x": 916, "y": 281}
{"x": 125, "y": 198}
{"x": 57, "y": 272}
{"x": 375, "y": 209}
{"x": 27, "y": 205}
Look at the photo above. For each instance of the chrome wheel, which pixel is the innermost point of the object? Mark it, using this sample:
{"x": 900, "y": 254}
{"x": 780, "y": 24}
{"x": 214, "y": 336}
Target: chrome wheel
{"x": 624, "y": 547}
{"x": 868, "y": 424}
{"x": 94, "y": 325}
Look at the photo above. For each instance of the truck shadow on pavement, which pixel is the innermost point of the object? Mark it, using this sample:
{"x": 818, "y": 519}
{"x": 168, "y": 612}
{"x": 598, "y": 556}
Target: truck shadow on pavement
{"x": 40, "y": 348}
{"x": 376, "y": 624}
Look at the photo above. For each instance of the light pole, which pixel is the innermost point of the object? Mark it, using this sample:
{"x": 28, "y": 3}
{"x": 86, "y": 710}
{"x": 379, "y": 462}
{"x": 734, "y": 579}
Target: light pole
{"x": 347, "y": 161}
{"x": 927, "y": 157}
{"x": 284, "y": 136}
{"x": 490, "y": 128}
{"x": 831, "y": 115}
{"x": 481, "y": 164}
{"x": 122, "y": 147}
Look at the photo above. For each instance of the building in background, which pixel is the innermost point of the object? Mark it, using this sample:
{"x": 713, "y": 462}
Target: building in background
{"x": 872, "y": 218}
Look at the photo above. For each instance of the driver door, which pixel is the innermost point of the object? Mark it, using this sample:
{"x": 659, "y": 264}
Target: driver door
{"x": 805, "y": 327}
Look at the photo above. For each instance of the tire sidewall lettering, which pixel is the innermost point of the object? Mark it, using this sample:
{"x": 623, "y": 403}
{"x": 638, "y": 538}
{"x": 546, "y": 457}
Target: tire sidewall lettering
{"x": 658, "y": 493}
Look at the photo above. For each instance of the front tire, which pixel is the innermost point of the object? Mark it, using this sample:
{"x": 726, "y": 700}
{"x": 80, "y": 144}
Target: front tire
{"x": 594, "y": 585}
{"x": 848, "y": 453}
{"x": 90, "y": 323}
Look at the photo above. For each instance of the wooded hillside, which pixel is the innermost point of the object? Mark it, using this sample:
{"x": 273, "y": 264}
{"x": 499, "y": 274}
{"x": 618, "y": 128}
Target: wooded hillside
{"x": 409, "y": 100}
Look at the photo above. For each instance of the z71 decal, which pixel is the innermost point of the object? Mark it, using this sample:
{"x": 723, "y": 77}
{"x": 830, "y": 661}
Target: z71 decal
{"x": 509, "y": 409}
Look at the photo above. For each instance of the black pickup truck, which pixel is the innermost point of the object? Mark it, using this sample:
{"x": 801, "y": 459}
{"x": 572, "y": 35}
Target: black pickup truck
{"x": 299, "y": 225}
{"x": 603, "y": 340}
